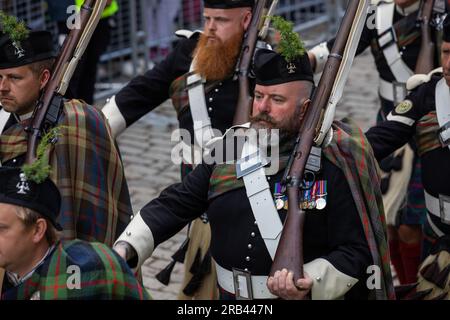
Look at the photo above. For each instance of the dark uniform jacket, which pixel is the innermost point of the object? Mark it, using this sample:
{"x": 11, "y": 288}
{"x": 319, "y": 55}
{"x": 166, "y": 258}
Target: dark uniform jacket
{"x": 409, "y": 52}
{"x": 144, "y": 93}
{"x": 409, "y": 121}
{"x": 335, "y": 233}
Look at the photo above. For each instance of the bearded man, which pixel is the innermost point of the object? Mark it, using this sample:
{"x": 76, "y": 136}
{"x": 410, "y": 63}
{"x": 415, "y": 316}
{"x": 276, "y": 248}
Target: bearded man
{"x": 247, "y": 205}
{"x": 199, "y": 78}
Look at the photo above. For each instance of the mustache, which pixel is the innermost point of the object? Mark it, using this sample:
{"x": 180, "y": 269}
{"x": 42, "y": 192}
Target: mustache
{"x": 263, "y": 117}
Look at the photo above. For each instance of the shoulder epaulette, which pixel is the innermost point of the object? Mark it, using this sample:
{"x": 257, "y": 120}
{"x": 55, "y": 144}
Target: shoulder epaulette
{"x": 418, "y": 79}
{"x": 183, "y": 33}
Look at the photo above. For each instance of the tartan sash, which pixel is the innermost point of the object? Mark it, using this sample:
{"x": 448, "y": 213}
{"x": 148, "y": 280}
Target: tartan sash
{"x": 427, "y": 133}
{"x": 88, "y": 171}
{"x": 103, "y": 275}
{"x": 352, "y": 153}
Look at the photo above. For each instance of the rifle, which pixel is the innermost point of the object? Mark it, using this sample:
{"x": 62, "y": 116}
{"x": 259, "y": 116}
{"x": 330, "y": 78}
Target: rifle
{"x": 425, "y": 60}
{"x": 244, "y": 103}
{"x": 289, "y": 253}
{"x": 49, "y": 105}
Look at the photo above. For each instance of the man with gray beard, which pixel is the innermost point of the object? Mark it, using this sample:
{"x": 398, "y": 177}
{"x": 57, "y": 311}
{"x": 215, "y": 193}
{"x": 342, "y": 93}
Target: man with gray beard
{"x": 247, "y": 206}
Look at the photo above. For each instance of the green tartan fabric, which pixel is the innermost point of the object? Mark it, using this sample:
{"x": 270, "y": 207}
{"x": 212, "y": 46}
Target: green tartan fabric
{"x": 426, "y": 133}
{"x": 88, "y": 171}
{"x": 178, "y": 93}
{"x": 352, "y": 153}
{"x": 80, "y": 270}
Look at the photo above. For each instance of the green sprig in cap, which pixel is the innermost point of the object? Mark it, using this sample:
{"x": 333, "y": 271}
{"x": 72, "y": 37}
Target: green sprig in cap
{"x": 290, "y": 45}
{"x": 40, "y": 169}
{"x": 15, "y": 29}
{"x": 289, "y": 63}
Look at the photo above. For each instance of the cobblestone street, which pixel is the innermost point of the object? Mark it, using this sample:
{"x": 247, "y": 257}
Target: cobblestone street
{"x": 146, "y": 149}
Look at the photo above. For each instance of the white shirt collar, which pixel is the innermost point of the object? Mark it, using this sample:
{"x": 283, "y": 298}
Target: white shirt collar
{"x": 14, "y": 278}
{"x": 408, "y": 10}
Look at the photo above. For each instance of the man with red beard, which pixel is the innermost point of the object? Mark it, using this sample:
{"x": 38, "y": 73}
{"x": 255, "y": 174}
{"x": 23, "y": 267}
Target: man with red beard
{"x": 199, "y": 78}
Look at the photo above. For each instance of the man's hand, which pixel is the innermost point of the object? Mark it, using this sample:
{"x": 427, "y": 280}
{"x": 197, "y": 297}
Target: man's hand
{"x": 124, "y": 250}
{"x": 282, "y": 285}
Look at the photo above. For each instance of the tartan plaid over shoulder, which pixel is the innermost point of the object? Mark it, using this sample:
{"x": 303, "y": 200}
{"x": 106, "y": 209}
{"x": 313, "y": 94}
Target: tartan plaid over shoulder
{"x": 80, "y": 270}
{"x": 88, "y": 171}
{"x": 352, "y": 153}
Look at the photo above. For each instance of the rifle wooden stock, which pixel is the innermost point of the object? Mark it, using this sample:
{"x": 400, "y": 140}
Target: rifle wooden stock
{"x": 425, "y": 60}
{"x": 289, "y": 254}
{"x": 244, "y": 103}
{"x": 50, "y": 92}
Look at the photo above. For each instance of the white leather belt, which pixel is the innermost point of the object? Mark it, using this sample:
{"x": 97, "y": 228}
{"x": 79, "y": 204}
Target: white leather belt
{"x": 386, "y": 90}
{"x": 257, "y": 284}
{"x": 438, "y": 207}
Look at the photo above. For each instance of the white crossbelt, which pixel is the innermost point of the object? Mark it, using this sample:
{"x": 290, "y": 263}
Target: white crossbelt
{"x": 443, "y": 107}
{"x": 386, "y": 91}
{"x": 225, "y": 278}
{"x": 434, "y": 207}
{"x": 401, "y": 72}
{"x": 260, "y": 198}
{"x": 4, "y": 116}
{"x": 202, "y": 122}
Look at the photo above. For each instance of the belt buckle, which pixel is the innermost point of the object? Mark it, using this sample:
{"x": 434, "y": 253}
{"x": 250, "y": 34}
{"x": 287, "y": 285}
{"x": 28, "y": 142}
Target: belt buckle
{"x": 400, "y": 92}
{"x": 444, "y": 135}
{"x": 242, "y": 284}
{"x": 444, "y": 208}
{"x": 387, "y": 38}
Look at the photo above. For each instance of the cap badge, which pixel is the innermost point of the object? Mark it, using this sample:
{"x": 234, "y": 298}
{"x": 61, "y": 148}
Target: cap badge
{"x": 22, "y": 186}
{"x": 291, "y": 68}
{"x": 19, "y": 52}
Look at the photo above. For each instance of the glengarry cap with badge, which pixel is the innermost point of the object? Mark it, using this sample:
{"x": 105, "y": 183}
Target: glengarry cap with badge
{"x": 228, "y": 4}
{"x": 289, "y": 63}
{"x": 20, "y": 46}
{"x": 446, "y": 31}
{"x": 17, "y": 189}
{"x": 31, "y": 187}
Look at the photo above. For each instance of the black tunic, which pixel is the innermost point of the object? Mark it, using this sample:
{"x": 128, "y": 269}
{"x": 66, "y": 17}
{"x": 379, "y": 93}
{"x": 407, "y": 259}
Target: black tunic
{"x": 409, "y": 53}
{"x": 144, "y": 93}
{"x": 388, "y": 136}
{"x": 335, "y": 233}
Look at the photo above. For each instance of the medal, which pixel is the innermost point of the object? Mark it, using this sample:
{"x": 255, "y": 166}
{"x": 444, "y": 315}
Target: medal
{"x": 321, "y": 203}
{"x": 312, "y": 205}
{"x": 279, "y": 203}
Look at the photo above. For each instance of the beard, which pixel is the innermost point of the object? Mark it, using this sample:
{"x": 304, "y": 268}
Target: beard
{"x": 288, "y": 128}
{"x": 216, "y": 60}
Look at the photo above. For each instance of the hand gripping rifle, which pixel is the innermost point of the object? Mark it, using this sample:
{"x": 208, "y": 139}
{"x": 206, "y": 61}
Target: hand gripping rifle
{"x": 49, "y": 105}
{"x": 315, "y": 127}
{"x": 253, "y": 33}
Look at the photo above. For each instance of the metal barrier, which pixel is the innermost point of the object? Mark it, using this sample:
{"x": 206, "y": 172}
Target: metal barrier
{"x": 132, "y": 50}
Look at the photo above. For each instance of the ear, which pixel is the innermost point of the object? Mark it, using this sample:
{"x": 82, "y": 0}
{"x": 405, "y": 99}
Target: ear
{"x": 304, "y": 108}
{"x": 45, "y": 77}
{"x": 40, "y": 228}
{"x": 247, "y": 19}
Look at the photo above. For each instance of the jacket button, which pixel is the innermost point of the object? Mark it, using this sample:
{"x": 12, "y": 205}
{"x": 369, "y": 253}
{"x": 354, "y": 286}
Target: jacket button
{"x": 249, "y": 246}
{"x": 253, "y": 234}
{"x": 247, "y": 258}
{"x": 128, "y": 233}
{"x": 211, "y": 99}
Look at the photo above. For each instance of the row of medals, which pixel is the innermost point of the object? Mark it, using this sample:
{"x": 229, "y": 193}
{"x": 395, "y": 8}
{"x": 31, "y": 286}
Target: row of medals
{"x": 318, "y": 202}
